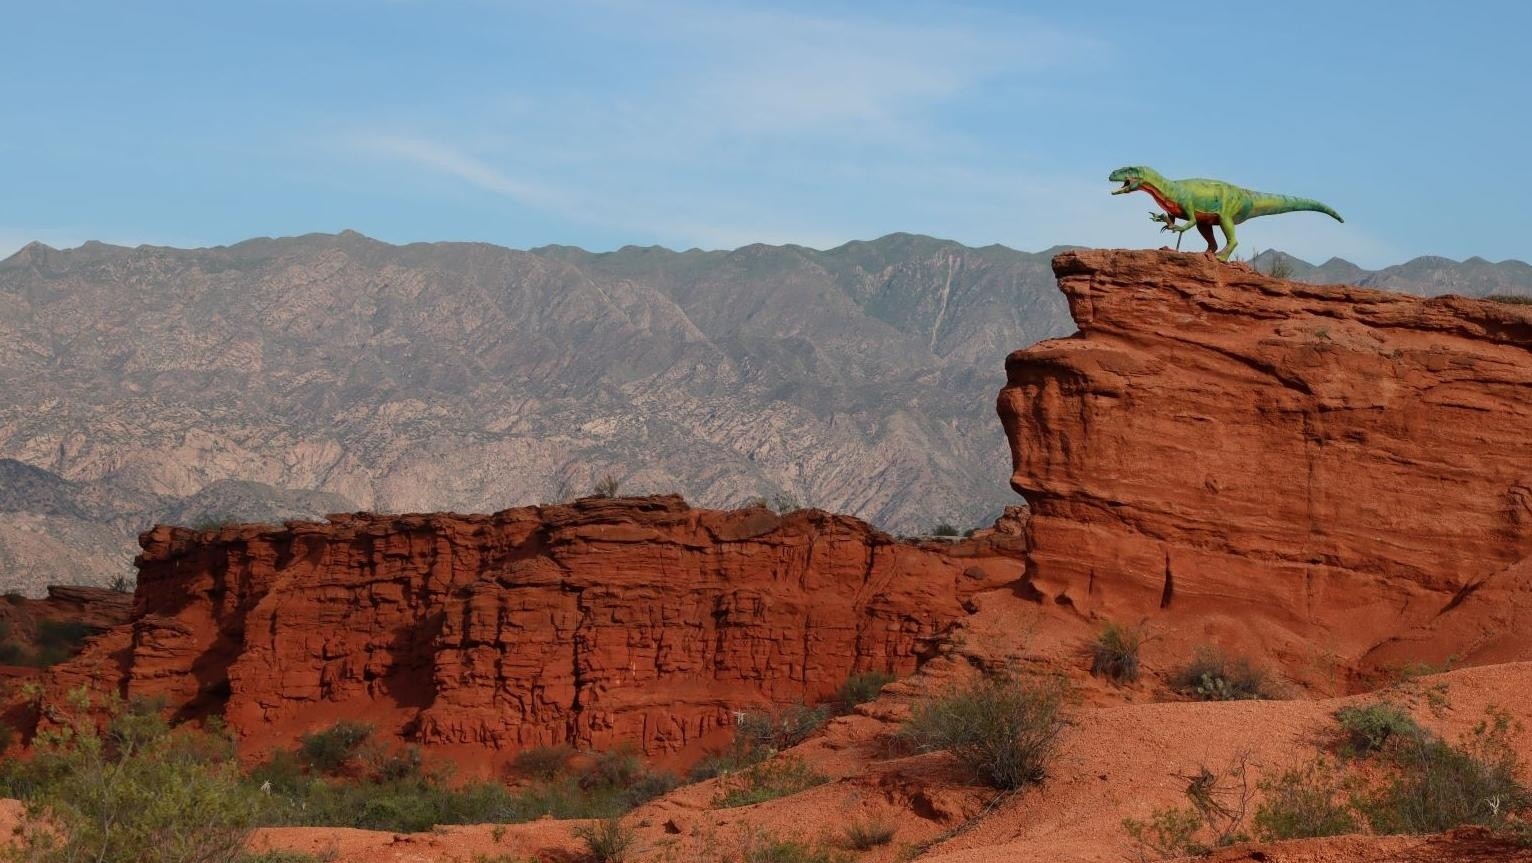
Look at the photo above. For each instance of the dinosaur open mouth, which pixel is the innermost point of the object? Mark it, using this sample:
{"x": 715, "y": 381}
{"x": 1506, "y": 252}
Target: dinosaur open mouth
{"x": 1127, "y": 186}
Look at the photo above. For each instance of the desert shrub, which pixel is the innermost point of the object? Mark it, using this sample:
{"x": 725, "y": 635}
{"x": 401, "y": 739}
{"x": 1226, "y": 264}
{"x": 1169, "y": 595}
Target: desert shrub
{"x": 945, "y": 529}
{"x": 613, "y": 768}
{"x": 123, "y": 584}
{"x": 730, "y": 760}
{"x": 214, "y": 521}
{"x": 768, "y": 780}
{"x": 1214, "y": 817}
{"x": 11, "y": 653}
{"x": 1213, "y": 675}
{"x": 1305, "y": 802}
{"x": 768, "y": 849}
{"x": 648, "y": 786}
{"x": 277, "y": 856}
{"x": 620, "y": 775}
{"x": 608, "y": 840}
{"x": 151, "y": 796}
{"x": 1368, "y": 728}
{"x": 783, "y": 503}
{"x": 330, "y": 750}
{"x": 1114, "y": 653}
{"x": 1510, "y": 299}
{"x": 1169, "y": 832}
{"x": 281, "y": 773}
{"x": 57, "y": 640}
{"x": 1436, "y": 786}
{"x": 542, "y": 762}
{"x": 607, "y": 486}
{"x": 1002, "y": 730}
{"x": 1279, "y": 267}
{"x": 382, "y": 763}
{"x": 409, "y": 798}
{"x": 780, "y": 727}
{"x": 866, "y": 835}
{"x": 861, "y": 688}
{"x": 409, "y": 805}
{"x": 759, "y": 734}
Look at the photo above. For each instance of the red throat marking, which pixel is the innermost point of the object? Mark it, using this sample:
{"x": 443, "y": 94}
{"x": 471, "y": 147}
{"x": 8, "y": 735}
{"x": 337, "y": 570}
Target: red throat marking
{"x": 1167, "y": 205}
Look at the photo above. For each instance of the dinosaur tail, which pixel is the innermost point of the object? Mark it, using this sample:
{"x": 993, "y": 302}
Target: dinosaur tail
{"x": 1266, "y": 205}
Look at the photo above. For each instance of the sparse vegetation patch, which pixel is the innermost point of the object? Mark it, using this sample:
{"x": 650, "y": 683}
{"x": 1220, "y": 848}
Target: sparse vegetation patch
{"x": 1306, "y": 802}
{"x": 1213, "y": 675}
{"x": 1366, "y": 729}
{"x": 1002, "y": 730}
{"x": 768, "y": 780}
{"x": 861, "y": 688}
{"x": 1114, "y": 653}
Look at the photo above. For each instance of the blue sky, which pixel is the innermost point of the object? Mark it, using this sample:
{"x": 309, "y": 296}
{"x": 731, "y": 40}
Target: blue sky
{"x": 716, "y": 124}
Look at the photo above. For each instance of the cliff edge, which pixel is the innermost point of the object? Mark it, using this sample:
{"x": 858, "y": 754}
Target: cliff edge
{"x": 1319, "y": 469}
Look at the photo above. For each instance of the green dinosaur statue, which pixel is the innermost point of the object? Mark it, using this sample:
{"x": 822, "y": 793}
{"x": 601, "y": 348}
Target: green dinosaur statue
{"x": 1205, "y": 203}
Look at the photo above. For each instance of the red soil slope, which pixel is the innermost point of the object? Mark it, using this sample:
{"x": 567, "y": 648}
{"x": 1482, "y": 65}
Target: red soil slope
{"x": 601, "y": 622}
{"x": 1320, "y": 471}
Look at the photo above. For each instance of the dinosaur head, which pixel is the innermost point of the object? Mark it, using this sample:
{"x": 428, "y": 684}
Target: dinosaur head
{"x": 1132, "y": 179}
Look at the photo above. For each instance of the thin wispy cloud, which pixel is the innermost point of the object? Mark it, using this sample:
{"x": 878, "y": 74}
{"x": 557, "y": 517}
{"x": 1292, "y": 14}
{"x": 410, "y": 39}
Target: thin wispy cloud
{"x": 760, "y": 125}
{"x": 444, "y": 158}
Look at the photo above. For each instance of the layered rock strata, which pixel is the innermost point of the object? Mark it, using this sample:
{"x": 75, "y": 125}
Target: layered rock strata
{"x": 601, "y": 622}
{"x": 1330, "y": 466}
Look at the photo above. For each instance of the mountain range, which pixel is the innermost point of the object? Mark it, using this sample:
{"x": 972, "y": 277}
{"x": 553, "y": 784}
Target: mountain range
{"x": 289, "y": 378}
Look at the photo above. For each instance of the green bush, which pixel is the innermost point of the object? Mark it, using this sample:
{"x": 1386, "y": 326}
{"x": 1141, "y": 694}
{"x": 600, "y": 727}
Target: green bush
{"x": 330, "y": 750}
{"x": 11, "y": 653}
{"x": 768, "y": 780}
{"x": 149, "y": 797}
{"x": 861, "y": 688}
{"x": 1436, "y": 786}
{"x": 781, "y": 727}
{"x": 1003, "y": 731}
{"x": 1368, "y": 728}
{"x": 139, "y": 784}
{"x": 1214, "y": 817}
{"x": 945, "y": 529}
{"x": 866, "y": 835}
{"x": 542, "y": 762}
{"x": 1169, "y": 832}
{"x": 730, "y": 760}
{"x": 275, "y": 856}
{"x": 57, "y": 640}
{"x": 1510, "y": 299}
{"x": 759, "y": 734}
{"x": 1114, "y": 653}
{"x": 608, "y": 841}
{"x": 1305, "y": 802}
{"x": 772, "y": 850}
{"x": 1213, "y": 675}
{"x": 214, "y": 521}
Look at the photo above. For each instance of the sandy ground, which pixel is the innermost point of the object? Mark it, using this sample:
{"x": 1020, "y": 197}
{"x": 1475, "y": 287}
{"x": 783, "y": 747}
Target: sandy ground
{"x": 1114, "y": 762}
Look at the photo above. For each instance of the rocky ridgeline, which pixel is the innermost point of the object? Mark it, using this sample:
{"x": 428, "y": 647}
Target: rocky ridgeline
{"x": 605, "y": 621}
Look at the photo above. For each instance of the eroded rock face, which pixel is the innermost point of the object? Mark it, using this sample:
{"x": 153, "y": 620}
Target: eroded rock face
{"x": 596, "y": 623}
{"x": 1329, "y": 465}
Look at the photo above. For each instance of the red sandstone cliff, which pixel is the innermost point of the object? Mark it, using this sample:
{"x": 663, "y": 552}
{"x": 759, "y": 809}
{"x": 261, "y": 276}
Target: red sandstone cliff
{"x": 599, "y": 622}
{"x": 1323, "y": 470}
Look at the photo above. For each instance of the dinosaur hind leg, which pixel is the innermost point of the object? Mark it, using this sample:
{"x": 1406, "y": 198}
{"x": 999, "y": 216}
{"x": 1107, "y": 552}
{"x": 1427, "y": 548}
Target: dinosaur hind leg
{"x": 1207, "y": 234}
{"x": 1228, "y": 235}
